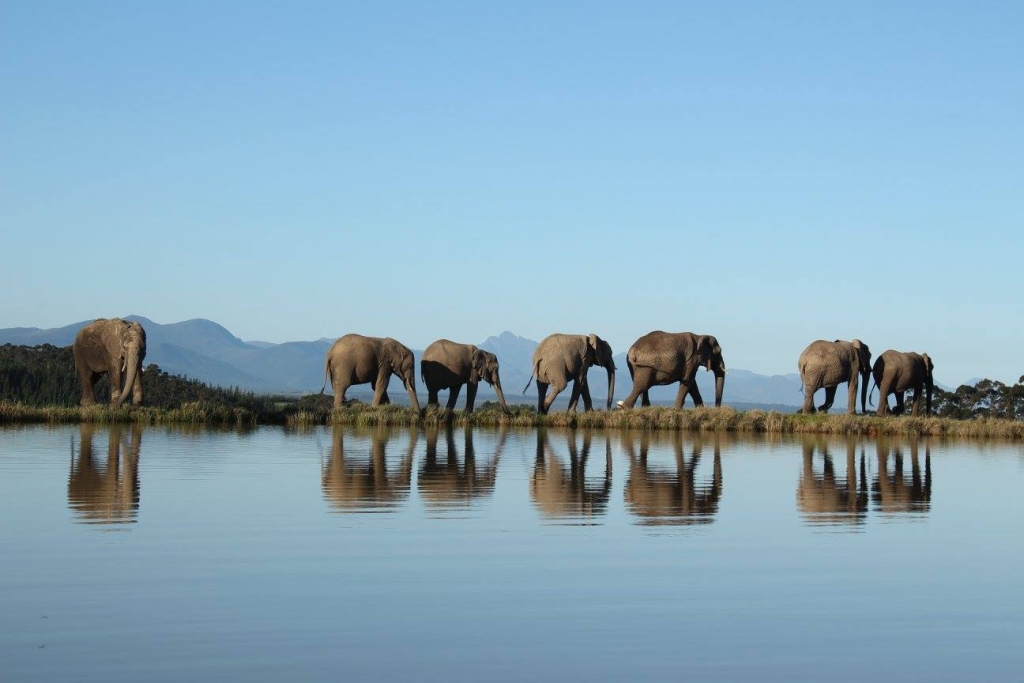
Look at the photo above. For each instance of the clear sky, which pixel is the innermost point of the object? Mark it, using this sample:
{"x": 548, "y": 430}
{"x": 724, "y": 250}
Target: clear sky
{"x": 772, "y": 173}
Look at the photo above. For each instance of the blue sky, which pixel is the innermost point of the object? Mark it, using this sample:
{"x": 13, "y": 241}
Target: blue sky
{"x": 772, "y": 173}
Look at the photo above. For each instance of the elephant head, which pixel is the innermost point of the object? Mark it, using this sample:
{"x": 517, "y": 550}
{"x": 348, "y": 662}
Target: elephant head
{"x": 716, "y": 364}
{"x": 864, "y": 368}
{"x": 402, "y": 364}
{"x": 599, "y": 352}
{"x": 485, "y": 367}
{"x": 132, "y": 340}
{"x": 929, "y": 382}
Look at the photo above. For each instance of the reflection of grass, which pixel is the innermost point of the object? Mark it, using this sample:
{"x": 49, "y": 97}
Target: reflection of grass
{"x": 310, "y": 412}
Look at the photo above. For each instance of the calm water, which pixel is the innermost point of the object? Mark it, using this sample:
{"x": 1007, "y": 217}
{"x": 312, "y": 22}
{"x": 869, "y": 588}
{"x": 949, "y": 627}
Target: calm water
{"x": 398, "y": 554}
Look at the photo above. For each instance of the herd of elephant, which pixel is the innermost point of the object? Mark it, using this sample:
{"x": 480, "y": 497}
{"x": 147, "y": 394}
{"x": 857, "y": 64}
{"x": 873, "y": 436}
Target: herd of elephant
{"x": 118, "y": 347}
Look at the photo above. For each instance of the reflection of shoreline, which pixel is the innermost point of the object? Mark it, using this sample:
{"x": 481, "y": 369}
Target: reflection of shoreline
{"x": 892, "y": 493}
{"x": 660, "y": 496}
{"x": 447, "y": 483}
{"x": 361, "y": 482}
{"x": 562, "y": 490}
{"x": 825, "y": 498}
{"x": 107, "y": 494}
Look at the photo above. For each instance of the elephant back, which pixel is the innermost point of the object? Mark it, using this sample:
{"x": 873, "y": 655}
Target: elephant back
{"x": 659, "y": 350}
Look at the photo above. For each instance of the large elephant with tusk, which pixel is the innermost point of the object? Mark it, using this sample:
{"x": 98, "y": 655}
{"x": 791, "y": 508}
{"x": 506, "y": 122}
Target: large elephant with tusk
{"x": 661, "y": 358}
{"x": 564, "y": 358}
{"x": 115, "y": 347}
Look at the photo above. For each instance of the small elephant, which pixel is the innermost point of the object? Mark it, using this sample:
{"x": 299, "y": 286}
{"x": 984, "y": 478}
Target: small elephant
{"x": 447, "y": 365}
{"x": 111, "y": 346}
{"x": 355, "y": 359}
{"x": 661, "y": 358}
{"x": 827, "y": 364}
{"x": 562, "y": 358}
{"x": 896, "y": 372}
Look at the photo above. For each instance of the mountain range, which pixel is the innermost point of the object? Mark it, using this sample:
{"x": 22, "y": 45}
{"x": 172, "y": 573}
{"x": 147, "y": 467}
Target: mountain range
{"x": 202, "y": 349}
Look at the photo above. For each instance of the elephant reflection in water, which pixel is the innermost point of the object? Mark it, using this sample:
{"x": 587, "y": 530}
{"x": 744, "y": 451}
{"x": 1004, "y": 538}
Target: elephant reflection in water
{"x": 106, "y": 493}
{"x": 360, "y": 481}
{"x": 447, "y": 483}
{"x": 894, "y": 493}
{"x": 825, "y": 498}
{"x": 562, "y": 490}
{"x": 661, "y": 496}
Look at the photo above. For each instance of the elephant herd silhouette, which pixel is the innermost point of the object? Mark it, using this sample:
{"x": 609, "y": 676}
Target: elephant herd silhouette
{"x": 570, "y": 479}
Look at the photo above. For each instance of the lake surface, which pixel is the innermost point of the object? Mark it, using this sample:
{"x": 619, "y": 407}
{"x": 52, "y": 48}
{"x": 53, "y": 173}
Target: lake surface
{"x": 401, "y": 554}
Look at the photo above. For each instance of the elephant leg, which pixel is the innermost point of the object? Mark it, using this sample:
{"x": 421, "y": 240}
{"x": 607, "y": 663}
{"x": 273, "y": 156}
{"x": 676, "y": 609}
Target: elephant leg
{"x": 884, "y": 389}
{"x": 137, "y": 389}
{"x": 830, "y": 398}
{"x": 470, "y": 396}
{"x": 645, "y": 399}
{"x": 574, "y": 398}
{"x": 432, "y": 399}
{"x": 808, "y": 408}
{"x": 588, "y": 405}
{"x": 340, "y": 387}
{"x": 385, "y": 399}
{"x": 88, "y": 379}
{"x": 115, "y": 382}
{"x": 542, "y": 391}
{"x": 453, "y": 396}
{"x": 851, "y": 400}
{"x": 643, "y": 379}
{"x": 684, "y": 389}
{"x": 557, "y": 387}
{"x": 380, "y": 387}
{"x": 695, "y": 394}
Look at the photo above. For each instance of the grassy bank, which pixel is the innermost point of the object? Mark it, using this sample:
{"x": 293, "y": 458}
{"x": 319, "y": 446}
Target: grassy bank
{"x": 693, "y": 420}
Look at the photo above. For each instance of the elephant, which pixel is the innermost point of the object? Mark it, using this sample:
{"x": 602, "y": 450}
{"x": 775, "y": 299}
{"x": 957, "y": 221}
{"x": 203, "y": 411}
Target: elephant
{"x": 560, "y": 492}
{"x": 665, "y": 497}
{"x": 661, "y": 358}
{"x": 444, "y": 483}
{"x": 562, "y": 358}
{"x": 892, "y": 493}
{"x": 826, "y": 365}
{"x": 112, "y": 346}
{"x": 355, "y": 359}
{"x": 361, "y": 482}
{"x": 447, "y": 365}
{"x": 826, "y": 498}
{"x": 896, "y": 372}
{"x": 107, "y": 494}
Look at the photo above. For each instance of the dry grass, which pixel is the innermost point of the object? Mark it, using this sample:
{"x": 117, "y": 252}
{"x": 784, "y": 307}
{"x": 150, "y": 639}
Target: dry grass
{"x": 694, "y": 420}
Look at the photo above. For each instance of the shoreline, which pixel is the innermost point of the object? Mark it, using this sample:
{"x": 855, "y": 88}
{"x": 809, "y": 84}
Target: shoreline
{"x": 654, "y": 418}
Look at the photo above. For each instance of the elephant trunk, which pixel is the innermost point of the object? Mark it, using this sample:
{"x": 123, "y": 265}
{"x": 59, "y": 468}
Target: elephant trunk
{"x": 611, "y": 385}
{"x": 132, "y": 363}
{"x": 864, "y": 377}
{"x": 501, "y": 394}
{"x": 410, "y": 386}
{"x": 719, "y": 388}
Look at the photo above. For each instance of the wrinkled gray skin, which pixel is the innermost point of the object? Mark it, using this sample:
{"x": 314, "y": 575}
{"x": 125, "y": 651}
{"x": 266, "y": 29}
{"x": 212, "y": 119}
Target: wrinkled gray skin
{"x": 112, "y": 346}
{"x": 564, "y": 358}
{"x": 827, "y": 364}
{"x": 896, "y": 373}
{"x": 355, "y": 359}
{"x": 661, "y": 358}
{"x": 447, "y": 365}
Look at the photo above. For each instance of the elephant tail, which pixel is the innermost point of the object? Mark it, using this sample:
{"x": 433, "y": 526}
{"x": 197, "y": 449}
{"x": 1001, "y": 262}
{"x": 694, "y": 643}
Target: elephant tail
{"x": 536, "y": 366}
{"x": 327, "y": 376}
{"x": 871, "y": 396}
{"x": 629, "y": 365}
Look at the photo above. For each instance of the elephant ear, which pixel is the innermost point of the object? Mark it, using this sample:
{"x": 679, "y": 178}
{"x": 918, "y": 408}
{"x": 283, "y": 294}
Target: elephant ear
{"x": 478, "y": 365}
{"x": 594, "y": 342}
{"x": 392, "y": 353}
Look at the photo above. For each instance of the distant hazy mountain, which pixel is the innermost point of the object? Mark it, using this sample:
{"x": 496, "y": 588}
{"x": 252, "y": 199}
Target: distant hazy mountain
{"x": 204, "y": 350}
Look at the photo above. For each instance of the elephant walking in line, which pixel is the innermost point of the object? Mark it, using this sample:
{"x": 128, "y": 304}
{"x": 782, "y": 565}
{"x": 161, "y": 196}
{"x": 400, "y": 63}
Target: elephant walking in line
{"x": 447, "y": 365}
{"x": 896, "y": 372}
{"x": 355, "y": 359}
{"x": 562, "y": 358}
{"x": 826, "y": 365}
{"x": 112, "y": 346}
{"x": 661, "y": 358}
